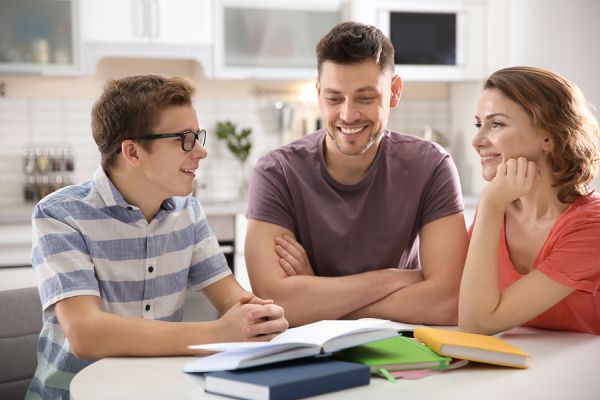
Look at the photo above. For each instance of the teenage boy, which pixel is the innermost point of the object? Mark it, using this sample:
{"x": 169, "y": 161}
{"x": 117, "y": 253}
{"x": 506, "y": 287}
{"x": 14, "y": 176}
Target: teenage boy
{"x": 355, "y": 220}
{"x": 113, "y": 255}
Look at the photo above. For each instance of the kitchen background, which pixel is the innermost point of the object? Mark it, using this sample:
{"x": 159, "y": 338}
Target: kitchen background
{"x": 55, "y": 56}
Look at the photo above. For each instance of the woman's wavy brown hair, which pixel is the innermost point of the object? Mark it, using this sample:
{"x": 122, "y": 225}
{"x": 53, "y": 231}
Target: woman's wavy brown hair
{"x": 557, "y": 106}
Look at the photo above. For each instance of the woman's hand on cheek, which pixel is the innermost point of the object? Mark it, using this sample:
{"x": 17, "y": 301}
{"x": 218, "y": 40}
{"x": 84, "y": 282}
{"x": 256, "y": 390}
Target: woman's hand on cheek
{"x": 514, "y": 179}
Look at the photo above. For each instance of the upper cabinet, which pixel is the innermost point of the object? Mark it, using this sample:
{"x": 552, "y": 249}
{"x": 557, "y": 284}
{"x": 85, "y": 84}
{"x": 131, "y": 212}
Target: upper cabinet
{"x": 39, "y": 36}
{"x": 435, "y": 40}
{"x": 180, "y": 22}
{"x": 271, "y": 39}
{"x": 174, "y": 29}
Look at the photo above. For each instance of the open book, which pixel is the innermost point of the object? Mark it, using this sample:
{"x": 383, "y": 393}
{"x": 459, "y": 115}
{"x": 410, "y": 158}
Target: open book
{"x": 308, "y": 340}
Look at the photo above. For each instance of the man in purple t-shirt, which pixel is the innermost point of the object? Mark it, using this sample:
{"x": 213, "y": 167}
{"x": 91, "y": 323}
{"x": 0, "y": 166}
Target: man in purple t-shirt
{"x": 354, "y": 220}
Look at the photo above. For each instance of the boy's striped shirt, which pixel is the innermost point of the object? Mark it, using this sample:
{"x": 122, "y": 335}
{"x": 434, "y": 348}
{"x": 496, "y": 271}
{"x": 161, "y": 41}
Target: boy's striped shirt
{"x": 88, "y": 241}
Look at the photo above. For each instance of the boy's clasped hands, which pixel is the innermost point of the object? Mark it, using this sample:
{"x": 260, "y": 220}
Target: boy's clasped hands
{"x": 257, "y": 319}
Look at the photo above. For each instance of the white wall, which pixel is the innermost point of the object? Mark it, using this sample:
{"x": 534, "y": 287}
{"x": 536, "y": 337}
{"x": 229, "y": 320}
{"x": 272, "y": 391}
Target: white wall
{"x": 560, "y": 35}
{"x": 462, "y": 108}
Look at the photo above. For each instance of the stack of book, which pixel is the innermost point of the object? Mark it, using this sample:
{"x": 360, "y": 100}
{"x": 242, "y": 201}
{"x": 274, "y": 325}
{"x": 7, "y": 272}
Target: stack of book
{"x": 297, "y": 363}
{"x": 282, "y": 369}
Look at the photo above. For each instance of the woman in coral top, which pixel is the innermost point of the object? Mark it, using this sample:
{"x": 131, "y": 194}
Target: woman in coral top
{"x": 534, "y": 254}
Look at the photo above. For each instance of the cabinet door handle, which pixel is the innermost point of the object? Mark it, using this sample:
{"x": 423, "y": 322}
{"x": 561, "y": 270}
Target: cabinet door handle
{"x": 154, "y": 18}
{"x": 138, "y": 17}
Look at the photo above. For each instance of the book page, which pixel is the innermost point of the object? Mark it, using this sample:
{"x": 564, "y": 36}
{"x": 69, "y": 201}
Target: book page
{"x": 297, "y": 342}
{"x": 319, "y": 333}
{"x": 241, "y": 346}
{"x": 249, "y": 357}
{"x": 315, "y": 334}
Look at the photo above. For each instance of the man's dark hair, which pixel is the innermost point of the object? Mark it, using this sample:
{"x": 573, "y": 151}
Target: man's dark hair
{"x": 353, "y": 42}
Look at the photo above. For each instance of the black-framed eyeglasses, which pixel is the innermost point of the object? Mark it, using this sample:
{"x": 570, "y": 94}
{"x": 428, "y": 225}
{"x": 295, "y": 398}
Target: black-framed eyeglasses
{"x": 188, "y": 139}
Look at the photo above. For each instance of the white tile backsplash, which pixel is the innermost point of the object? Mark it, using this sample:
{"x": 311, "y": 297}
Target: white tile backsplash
{"x": 411, "y": 116}
{"x": 46, "y": 122}
{"x": 67, "y": 122}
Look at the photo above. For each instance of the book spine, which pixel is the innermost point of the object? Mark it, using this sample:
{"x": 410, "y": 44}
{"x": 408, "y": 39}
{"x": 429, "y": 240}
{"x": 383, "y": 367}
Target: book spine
{"x": 423, "y": 335}
{"x": 321, "y": 385}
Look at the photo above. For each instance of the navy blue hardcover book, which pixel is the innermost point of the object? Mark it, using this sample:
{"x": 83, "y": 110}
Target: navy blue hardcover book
{"x": 288, "y": 380}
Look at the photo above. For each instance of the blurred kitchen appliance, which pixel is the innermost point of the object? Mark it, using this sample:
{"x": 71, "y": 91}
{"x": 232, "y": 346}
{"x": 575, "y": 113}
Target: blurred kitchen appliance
{"x": 46, "y": 169}
{"x": 433, "y": 40}
{"x": 425, "y": 38}
{"x": 284, "y": 114}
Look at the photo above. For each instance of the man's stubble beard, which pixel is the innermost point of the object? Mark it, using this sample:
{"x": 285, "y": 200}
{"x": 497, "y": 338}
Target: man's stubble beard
{"x": 372, "y": 140}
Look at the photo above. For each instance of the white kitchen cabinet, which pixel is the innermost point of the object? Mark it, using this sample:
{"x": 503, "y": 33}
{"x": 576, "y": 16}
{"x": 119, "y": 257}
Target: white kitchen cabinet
{"x": 241, "y": 272}
{"x": 39, "y": 37}
{"x": 174, "y": 29}
{"x": 110, "y": 21}
{"x": 185, "y": 22}
{"x": 228, "y": 223}
{"x": 15, "y": 244}
{"x": 148, "y": 21}
{"x": 271, "y": 39}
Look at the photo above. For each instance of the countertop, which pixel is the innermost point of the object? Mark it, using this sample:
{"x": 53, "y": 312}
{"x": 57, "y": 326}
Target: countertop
{"x": 17, "y": 278}
{"x": 17, "y": 214}
{"x": 21, "y": 213}
{"x": 15, "y": 229}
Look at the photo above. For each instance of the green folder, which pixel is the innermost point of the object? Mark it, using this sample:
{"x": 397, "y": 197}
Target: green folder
{"x": 395, "y": 354}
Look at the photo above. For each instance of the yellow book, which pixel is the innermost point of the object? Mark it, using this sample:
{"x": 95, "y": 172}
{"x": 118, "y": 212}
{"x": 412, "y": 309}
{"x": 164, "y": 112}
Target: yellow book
{"x": 471, "y": 346}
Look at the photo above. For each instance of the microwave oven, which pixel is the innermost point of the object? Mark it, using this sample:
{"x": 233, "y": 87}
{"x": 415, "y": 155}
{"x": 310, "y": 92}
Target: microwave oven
{"x": 434, "y": 40}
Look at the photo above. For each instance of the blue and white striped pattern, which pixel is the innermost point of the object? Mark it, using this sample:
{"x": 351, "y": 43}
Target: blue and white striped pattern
{"x": 89, "y": 241}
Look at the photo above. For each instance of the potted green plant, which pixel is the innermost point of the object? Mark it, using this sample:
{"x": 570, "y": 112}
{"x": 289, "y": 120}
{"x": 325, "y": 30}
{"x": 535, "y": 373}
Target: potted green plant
{"x": 239, "y": 142}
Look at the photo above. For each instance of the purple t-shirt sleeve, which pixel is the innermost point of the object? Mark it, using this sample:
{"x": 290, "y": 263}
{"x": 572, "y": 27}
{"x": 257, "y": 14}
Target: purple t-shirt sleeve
{"x": 443, "y": 194}
{"x": 269, "y": 199}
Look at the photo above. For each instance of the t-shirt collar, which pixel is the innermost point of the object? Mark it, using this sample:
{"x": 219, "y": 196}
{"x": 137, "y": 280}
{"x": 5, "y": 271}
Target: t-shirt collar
{"x": 370, "y": 171}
